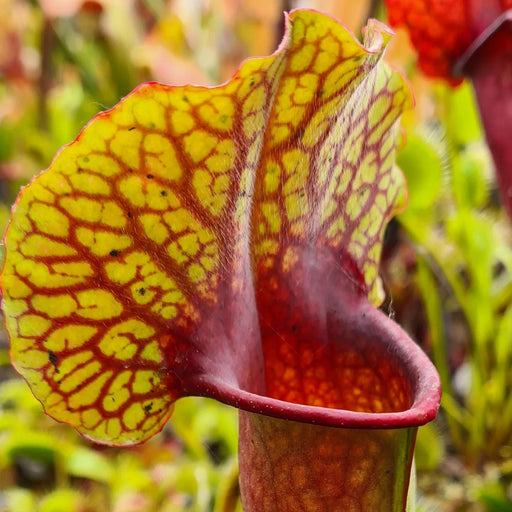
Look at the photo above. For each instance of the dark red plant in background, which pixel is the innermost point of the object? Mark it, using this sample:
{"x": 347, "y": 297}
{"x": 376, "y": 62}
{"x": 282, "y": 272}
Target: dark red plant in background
{"x": 472, "y": 38}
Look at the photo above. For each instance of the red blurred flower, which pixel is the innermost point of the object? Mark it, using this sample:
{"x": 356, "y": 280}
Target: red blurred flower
{"x": 443, "y": 30}
{"x": 473, "y": 38}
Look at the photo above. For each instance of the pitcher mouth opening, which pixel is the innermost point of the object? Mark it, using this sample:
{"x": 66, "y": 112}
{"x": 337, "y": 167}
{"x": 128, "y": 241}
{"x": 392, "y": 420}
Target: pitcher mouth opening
{"x": 402, "y": 385}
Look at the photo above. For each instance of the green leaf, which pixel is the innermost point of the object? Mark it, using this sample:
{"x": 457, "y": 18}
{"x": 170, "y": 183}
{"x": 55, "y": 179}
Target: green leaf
{"x": 429, "y": 450}
{"x": 495, "y": 499}
{"x": 87, "y": 463}
{"x": 462, "y": 115}
{"x": 62, "y": 500}
{"x": 19, "y": 500}
{"x": 471, "y": 187}
{"x": 422, "y": 167}
{"x": 33, "y": 445}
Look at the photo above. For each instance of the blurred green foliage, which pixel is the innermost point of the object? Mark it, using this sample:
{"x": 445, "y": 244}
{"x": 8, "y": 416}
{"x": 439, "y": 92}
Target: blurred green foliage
{"x": 464, "y": 265}
{"x": 463, "y": 275}
{"x": 47, "y": 467}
